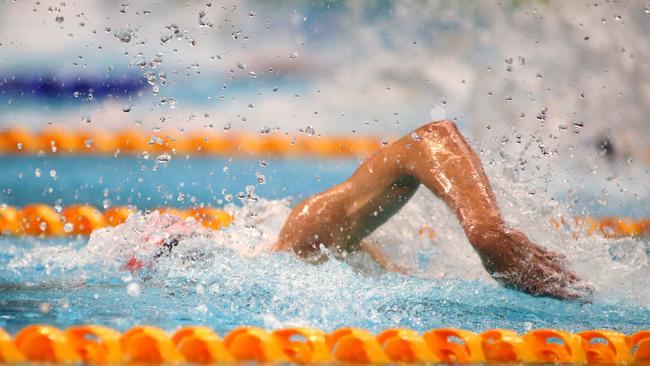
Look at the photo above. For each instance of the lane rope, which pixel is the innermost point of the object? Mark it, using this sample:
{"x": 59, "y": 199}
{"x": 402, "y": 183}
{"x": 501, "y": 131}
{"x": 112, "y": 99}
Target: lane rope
{"x": 61, "y": 141}
{"x": 99, "y": 345}
{"x": 46, "y": 221}
{"x": 80, "y": 219}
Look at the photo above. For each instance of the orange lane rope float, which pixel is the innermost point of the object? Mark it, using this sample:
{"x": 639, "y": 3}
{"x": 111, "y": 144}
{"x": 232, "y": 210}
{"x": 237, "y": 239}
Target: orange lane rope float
{"x": 131, "y": 141}
{"x": 98, "y": 345}
{"x": 608, "y": 227}
{"x": 43, "y": 220}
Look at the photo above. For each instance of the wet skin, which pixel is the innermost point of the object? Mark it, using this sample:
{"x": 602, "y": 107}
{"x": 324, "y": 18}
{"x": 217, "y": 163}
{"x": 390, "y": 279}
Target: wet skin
{"x": 437, "y": 156}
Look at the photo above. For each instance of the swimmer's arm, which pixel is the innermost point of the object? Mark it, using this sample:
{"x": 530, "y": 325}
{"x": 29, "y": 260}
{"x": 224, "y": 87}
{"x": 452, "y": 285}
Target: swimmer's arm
{"x": 380, "y": 256}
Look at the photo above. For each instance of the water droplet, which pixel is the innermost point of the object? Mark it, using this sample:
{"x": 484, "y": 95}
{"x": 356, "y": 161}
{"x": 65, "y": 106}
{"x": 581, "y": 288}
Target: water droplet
{"x": 252, "y": 13}
{"x": 164, "y": 158}
{"x": 264, "y": 163}
{"x": 228, "y": 197}
{"x": 227, "y": 127}
{"x": 42, "y": 226}
{"x": 310, "y": 131}
{"x": 68, "y": 227}
{"x": 508, "y": 98}
{"x": 252, "y": 74}
{"x": 124, "y": 35}
{"x": 202, "y": 309}
{"x": 53, "y": 173}
{"x": 133, "y": 289}
{"x": 415, "y": 136}
{"x": 542, "y": 115}
{"x": 577, "y": 127}
{"x": 126, "y": 108}
{"x": 618, "y": 17}
{"x": 240, "y": 195}
{"x": 85, "y": 119}
{"x": 241, "y": 65}
{"x": 59, "y": 19}
{"x": 19, "y": 146}
{"x": 37, "y": 172}
{"x": 261, "y": 179}
{"x": 437, "y": 113}
{"x": 44, "y": 307}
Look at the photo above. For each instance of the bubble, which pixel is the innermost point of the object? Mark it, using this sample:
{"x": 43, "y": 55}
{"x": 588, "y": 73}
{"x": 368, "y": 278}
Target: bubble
{"x": 37, "y": 172}
{"x": 202, "y": 309}
{"x": 59, "y": 19}
{"x": 53, "y": 173}
{"x": 85, "y": 119}
{"x": 133, "y": 289}
{"x": 68, "y": 227}
{"x": 415, "y": 136}
{"x": 310, "y": 131}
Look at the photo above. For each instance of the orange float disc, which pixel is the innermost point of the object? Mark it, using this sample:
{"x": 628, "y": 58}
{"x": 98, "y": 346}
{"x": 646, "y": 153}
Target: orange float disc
{"x": 10, "y": 220}
{"x": 212, "y": 218}
{"x": 82, "y": 219}
{"x": 41, "y": 220}
{"x": 118, "y": 214}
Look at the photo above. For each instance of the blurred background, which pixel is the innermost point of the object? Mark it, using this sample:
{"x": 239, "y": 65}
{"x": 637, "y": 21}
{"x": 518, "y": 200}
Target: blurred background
{"x": 529, "y": 81}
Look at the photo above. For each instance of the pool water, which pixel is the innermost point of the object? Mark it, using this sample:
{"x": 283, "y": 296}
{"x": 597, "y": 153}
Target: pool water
{"x": 228, "y": 278}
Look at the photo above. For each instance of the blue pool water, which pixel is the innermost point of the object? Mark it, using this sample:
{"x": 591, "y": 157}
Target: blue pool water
{"x": 228, "y": 279}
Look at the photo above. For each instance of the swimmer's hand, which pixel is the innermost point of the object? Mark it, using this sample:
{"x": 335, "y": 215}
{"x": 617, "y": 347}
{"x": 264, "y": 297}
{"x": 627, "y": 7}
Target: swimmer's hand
{"x": 513, "y": 260}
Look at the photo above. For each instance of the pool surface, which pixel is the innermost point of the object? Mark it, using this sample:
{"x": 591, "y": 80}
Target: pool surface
{"x": 229, "y": 279}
